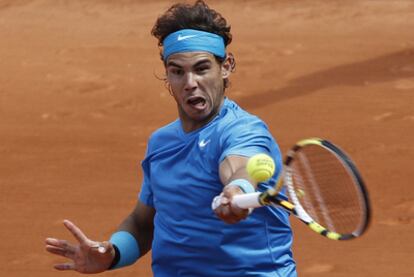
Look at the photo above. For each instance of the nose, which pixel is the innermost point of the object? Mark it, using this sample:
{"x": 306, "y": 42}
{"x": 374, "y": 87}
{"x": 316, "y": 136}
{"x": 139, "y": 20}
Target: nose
{"x": 190, "y": 81}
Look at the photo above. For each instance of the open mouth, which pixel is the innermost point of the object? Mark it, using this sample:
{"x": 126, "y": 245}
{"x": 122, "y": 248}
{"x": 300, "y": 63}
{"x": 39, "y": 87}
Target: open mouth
{"x": 197, "y": 102}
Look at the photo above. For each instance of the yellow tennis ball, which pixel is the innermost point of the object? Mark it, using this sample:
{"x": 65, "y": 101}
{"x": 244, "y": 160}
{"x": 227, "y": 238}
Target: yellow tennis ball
{"x": 260, "y": 167}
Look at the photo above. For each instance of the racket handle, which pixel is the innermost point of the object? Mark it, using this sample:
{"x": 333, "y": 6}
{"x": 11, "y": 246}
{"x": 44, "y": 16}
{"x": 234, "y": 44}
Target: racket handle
{"x": 247, "y": 200}
{"x": 244, "y": 201}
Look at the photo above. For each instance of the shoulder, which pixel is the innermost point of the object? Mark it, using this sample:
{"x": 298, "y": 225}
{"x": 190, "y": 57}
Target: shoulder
{"x": 164, "y": 134}
{"x": 243, "y": 134}
{"x": 235, "y": 119}
{"x": 166, "y": 130}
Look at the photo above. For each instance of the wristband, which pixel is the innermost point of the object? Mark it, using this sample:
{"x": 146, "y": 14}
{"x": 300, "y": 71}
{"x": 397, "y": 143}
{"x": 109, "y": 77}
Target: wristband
{"x": 245, "y": 185}
{"x": 128, "y": 249}
{"x": 115, "y": 261}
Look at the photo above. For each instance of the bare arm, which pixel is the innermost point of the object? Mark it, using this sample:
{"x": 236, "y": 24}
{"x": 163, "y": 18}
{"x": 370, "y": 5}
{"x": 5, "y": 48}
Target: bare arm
{"x": 140, "y": 223}
{"x": 232, "y": 168}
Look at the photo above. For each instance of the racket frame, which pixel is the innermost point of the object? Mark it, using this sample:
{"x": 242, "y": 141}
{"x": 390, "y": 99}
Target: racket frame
{"x": 273, "y": 198}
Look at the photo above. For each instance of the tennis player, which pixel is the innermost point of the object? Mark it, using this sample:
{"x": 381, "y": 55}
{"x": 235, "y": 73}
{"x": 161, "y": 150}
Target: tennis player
{"x": 188, "y": 162}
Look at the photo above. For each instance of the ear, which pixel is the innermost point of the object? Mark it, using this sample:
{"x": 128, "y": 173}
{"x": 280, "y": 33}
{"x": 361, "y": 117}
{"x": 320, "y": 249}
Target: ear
{"x": 227, "y": 66}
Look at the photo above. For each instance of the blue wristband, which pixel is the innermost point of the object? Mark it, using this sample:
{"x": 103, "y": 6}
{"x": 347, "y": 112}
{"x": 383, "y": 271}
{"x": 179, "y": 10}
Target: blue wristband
{"x": 128, "y": 248}
{"x": 245, "y": 185}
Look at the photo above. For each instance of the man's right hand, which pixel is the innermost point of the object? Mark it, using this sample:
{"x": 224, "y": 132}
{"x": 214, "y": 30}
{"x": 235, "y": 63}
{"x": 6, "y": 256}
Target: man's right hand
{"x": 225, "y": 210}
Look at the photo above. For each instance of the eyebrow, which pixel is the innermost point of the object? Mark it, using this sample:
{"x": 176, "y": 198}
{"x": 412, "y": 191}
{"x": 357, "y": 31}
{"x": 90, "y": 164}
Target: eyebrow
{"x": 201, "y": 62}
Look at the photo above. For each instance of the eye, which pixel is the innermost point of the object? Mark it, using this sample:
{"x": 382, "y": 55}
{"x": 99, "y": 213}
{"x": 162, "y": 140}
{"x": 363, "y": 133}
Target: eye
{"x": 176, "y": 71}
{"x": 202, "y": 69}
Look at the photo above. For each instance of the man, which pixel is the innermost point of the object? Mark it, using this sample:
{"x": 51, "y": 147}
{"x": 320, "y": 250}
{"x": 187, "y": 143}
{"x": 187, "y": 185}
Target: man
{"x": 190, "y": 161}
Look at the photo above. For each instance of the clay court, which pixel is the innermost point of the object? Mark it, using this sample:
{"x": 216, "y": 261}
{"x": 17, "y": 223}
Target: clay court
{"x": 79, "y": 97}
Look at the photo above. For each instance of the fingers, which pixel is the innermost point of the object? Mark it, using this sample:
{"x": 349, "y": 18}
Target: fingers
{"x": 65, "y": 249}
{"x": 59, "y": 251}
{"x": 87, "y": 256}
{"x": 76, "y": 232}
{"x": 229, "y": 192}
{"x": 65, "y": 266}
{"x": 219, "y": 200}
{"x": 61, "y": 248}
{"x": 226, "y": 211}
{"x": 59, "y": 243}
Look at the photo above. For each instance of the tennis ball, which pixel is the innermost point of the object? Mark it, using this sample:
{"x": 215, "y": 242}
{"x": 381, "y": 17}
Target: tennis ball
{"x": 260, "y": 167}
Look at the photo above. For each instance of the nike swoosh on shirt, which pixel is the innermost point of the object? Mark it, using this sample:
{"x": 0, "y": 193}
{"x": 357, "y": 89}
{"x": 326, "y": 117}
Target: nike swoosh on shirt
{"x": 180, "y": 37}
{"x": 203, "y": 143}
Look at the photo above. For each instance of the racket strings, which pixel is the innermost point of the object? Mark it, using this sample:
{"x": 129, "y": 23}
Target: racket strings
{"x": 326, "y": 190}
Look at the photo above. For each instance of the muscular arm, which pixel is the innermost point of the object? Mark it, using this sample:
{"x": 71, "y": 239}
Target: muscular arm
{"x": 234, "y": 167}
{"x": 140, "y": 223}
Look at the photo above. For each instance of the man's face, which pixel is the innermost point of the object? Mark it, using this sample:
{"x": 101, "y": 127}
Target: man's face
{"x": 196, "y": 80}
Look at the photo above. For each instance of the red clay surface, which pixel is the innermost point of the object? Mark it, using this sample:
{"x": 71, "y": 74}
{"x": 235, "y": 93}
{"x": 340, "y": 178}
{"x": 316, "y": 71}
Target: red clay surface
{"x": 79, "y": 97}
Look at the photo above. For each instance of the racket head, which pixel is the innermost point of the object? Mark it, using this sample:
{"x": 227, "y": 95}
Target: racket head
{"x": 326, "y": 189}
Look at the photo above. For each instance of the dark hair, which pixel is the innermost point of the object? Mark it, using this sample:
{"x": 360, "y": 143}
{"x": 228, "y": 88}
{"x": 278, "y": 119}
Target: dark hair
{"x": 185, "y": 16}
{"x": 198, "y": 16}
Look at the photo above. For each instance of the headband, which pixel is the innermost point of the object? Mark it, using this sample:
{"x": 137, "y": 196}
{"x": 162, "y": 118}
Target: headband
{"x": 189, "y": 40}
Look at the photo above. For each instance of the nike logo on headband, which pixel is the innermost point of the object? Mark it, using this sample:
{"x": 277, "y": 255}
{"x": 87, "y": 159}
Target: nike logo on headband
{"x": 189, "y": 40}
{"x": 180, "y": 37}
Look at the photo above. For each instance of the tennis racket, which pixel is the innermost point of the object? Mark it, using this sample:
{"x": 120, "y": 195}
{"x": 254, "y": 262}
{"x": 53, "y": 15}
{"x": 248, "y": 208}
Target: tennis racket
{"x": 324, "y": 188}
